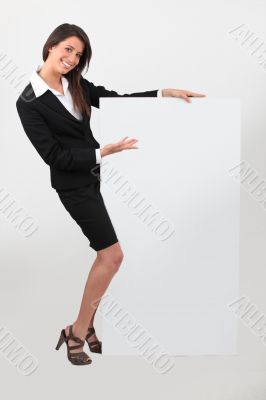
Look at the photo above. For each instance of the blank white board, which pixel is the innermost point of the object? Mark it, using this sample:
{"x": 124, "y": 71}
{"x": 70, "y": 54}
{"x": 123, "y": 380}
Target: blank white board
{"x": 180, "y": 233}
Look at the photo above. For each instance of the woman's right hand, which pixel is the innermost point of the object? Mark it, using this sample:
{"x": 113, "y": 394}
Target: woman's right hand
{"x": 123, "y": 144}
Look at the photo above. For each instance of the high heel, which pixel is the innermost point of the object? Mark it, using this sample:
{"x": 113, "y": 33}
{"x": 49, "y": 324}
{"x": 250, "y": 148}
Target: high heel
{"x": 96, "y": 346}
{"x": 60, "y": 341}
{"x": 80, "y": 358}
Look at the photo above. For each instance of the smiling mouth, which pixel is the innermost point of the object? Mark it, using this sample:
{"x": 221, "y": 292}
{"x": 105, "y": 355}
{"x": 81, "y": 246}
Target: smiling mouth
{"x": 66, "y": 65}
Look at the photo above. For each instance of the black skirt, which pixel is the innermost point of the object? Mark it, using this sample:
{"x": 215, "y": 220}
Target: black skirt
{"x": 86, "y": 206}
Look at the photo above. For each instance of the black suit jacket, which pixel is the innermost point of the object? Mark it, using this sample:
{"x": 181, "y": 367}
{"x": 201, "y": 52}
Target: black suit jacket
{"x": 65, "y": 143}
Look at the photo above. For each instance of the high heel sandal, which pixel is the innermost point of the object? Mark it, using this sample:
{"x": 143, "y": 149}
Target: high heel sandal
{"x": 80, "y": 358}
{"x": 96, "y": 346}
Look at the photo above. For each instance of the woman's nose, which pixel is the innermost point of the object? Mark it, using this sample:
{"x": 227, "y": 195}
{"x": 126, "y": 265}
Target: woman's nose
{"x": 71, "y": 60}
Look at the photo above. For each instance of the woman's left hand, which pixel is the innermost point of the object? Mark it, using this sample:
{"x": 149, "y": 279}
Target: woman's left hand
{"x": 182, "y": 94}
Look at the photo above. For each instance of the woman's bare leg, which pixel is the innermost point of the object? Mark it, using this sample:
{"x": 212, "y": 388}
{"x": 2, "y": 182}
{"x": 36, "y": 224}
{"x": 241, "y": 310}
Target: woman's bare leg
{"x": 102, "y": 271}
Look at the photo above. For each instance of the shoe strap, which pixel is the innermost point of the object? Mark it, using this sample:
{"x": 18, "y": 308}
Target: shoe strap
{"x": 97, "y": 342}
{"x": 75, "y": 347}
{"x": 75, "y": 339}
{"x": 91, "y": 331}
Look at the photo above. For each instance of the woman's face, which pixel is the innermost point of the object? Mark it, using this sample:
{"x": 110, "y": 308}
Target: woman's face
{"x": 66, "y": 54}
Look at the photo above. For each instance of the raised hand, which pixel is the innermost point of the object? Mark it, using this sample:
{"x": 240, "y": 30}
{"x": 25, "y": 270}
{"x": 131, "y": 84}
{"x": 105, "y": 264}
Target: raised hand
{"x": 123, "y": 144}
{"x": 182, "y": 94}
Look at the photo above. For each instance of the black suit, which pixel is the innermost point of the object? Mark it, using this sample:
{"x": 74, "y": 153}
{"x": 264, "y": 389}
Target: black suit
{"x": 66, "y": 144}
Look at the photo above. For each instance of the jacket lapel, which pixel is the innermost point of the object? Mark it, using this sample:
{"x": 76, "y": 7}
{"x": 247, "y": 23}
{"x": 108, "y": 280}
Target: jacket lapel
{"x": 51, "y": 101}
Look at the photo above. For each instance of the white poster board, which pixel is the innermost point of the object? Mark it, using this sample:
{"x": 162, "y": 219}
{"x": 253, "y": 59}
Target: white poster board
{"x": 175, "y": 208}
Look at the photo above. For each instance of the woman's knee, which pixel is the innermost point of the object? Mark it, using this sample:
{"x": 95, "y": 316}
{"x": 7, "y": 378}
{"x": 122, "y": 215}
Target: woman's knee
{"x": 111, "y": 256}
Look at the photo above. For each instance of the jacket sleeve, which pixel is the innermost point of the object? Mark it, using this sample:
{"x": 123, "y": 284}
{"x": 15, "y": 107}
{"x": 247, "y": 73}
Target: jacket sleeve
{"x": 48, "y": 147}
{"x": 95, "y": 92}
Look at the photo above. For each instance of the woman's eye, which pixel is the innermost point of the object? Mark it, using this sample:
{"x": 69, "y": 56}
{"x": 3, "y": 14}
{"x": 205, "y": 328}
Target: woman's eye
{"x": 68, "y": 48}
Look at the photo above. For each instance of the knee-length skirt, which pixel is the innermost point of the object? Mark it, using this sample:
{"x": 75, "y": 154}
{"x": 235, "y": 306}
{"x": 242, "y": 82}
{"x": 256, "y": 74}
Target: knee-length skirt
{"x": 86, "y": 206}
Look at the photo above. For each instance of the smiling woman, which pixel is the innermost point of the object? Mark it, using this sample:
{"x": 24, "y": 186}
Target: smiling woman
{"x": 68, "y": 47}
{"x": 55, "y": 110}
{"x": 68, "y": 56}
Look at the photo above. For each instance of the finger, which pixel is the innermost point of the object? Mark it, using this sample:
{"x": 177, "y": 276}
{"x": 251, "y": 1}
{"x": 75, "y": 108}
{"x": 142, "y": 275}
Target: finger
{"x": 187, "y": 99}
{"x": 132, "y": 141}
{"x": 123, "y": 139}
{"x": 129, "y": 145}
{"x": 192, "y": 94}
{"x": 128, "y": 140}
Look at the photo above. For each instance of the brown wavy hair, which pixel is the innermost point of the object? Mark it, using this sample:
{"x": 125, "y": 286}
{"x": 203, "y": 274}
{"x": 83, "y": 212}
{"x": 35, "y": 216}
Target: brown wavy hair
{"x": 59, "y": 34}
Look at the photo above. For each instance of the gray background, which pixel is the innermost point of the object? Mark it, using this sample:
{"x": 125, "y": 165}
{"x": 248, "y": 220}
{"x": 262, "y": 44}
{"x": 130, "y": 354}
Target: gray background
{"x": 138, "y": 45}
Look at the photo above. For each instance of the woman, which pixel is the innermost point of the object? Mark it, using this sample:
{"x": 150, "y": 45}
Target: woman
{"x": 55, "y": 109}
